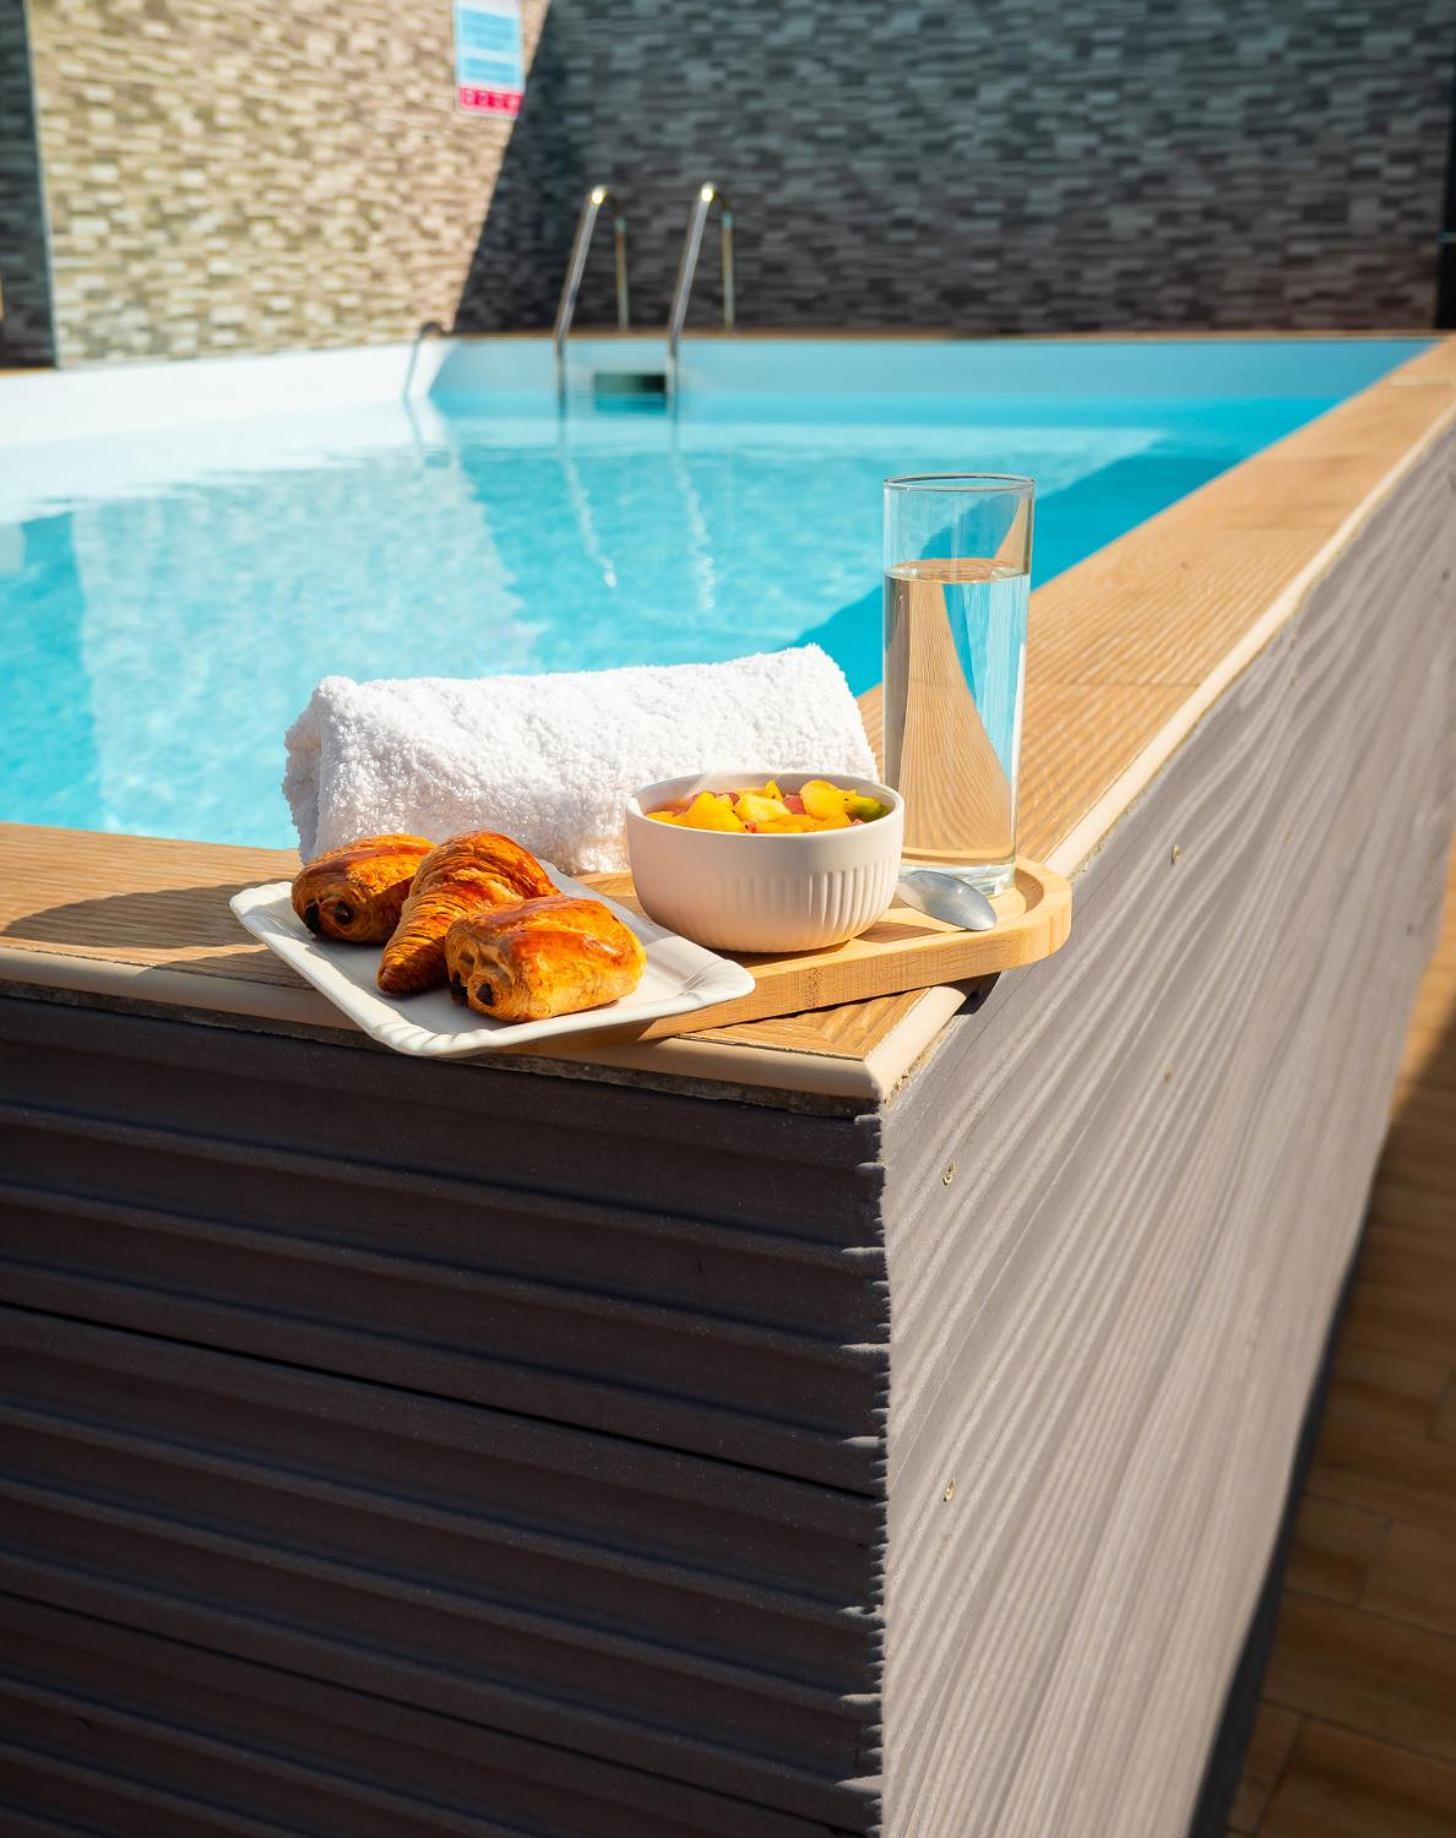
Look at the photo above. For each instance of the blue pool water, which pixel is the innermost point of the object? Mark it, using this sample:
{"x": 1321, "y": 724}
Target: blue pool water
{"x": 169, "y": 600}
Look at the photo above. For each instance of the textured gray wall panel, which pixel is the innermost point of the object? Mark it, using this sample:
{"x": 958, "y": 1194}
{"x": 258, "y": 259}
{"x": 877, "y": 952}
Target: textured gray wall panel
{"x": 1013, "y": 165}
{"x": 25, "y": 331}
{"x": 1106, "y": 1328}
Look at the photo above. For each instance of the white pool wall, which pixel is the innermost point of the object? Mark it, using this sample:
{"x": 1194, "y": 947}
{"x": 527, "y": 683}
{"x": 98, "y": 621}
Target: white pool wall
{"x": 44, "y": 406}
{"x": 1266, "y": 368}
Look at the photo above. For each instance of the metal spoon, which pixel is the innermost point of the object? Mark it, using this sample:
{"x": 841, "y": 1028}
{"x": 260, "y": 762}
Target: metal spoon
{"x": 948, "y": 897}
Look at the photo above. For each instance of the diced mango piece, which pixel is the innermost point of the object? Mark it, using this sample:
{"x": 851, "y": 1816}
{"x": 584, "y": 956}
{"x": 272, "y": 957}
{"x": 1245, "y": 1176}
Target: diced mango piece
{"x": 788, "y": 826}
{"x": 825, "y": 802}
{"x": 711, "y": 810}
{"x": 771, "y": 790}
{"x": 665, "y": 816}
{"x": 859, "y": 804}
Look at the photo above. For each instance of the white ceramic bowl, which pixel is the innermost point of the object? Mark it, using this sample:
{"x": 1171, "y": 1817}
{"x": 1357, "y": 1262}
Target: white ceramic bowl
{"x": 740, "y": 892}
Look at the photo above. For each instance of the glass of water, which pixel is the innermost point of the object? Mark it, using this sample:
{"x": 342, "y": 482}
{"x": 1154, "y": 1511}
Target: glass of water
{"x": 957, "y": 578}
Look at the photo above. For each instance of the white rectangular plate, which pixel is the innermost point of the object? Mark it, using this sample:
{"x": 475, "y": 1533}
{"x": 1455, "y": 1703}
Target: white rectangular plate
{"x": 680, "y": 977}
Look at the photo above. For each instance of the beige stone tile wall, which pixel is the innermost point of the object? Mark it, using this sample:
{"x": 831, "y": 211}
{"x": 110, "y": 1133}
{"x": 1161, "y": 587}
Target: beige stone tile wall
{"x": 256, "y": 174}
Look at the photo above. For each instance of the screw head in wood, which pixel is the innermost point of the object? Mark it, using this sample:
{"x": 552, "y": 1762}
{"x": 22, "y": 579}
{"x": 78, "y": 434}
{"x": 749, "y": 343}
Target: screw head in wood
{"x": 949, "y": 1175}
{"x": 1176, "y": 853}
{"x": 949, "y": 1493}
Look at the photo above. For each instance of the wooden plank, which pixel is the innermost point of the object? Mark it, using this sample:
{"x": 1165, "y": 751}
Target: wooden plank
{"x": 1161, "y": 621}
{"x": 1409, "y": 1477}
{"x": 1414, "y": 1579}
{"x": 1341, "y": 1785}
{"x": 1087, "y": 733}
{"x": 1334, "y": 1548}
{"x": 1387, "y": 1389}
{"x": 1401, "y": 1320}
{"x": 1367, "y": 1673}
{"x": 1269, "y": 1749}
{"x": 1433, "y": 366}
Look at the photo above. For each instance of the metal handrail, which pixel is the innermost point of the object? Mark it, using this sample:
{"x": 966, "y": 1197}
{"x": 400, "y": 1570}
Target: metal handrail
{"x": 586, "y": 223}
{"x": 708, "y": 196}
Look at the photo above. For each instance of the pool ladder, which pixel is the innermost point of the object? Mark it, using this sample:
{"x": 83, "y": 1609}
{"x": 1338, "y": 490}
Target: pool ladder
{"x": 600, "y": 195}
{"x": 586, "y": 223}
{"x": 708, "y": 196}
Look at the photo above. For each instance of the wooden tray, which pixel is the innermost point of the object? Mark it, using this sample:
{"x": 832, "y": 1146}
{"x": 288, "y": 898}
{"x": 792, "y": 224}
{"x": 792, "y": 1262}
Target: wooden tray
{"x": 906, "y": 950}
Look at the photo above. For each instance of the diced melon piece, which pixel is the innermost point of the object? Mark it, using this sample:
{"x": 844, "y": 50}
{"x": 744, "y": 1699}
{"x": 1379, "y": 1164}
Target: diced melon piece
{"x": 824, "y": 801}
{"x": 756, "y": 807}
{"x": 711, "y": 810}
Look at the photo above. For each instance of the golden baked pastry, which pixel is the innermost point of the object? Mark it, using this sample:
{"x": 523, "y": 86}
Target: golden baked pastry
{"x": 466, "y": 875}
{"x": 355, "y": 893}
{"x": 545, "y": 957}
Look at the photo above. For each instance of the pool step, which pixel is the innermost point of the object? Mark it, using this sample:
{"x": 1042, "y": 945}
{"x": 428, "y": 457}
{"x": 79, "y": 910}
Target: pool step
{"x": 641, "y": 388}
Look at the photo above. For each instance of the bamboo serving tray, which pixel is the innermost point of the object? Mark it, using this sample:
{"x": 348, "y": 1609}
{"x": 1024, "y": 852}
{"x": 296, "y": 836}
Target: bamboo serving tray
{"x": 906, "y": 950}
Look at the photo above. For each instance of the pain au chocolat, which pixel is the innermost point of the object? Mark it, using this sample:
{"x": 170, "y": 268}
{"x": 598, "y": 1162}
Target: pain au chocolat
{"x": 553, "y": 956}
{"x": 356, "y": 893}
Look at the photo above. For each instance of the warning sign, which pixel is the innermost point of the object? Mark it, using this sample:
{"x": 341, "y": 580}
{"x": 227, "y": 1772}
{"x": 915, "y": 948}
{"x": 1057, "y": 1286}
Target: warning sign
{"x": 490, "y": 62}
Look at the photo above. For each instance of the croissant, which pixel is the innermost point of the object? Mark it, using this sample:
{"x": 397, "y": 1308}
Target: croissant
{"x": 466, "y": 875}
{"x": 355, "y": 892}
{"x": 542, "y": 958}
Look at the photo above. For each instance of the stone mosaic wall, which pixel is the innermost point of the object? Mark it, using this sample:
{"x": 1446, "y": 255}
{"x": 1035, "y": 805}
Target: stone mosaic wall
{"x": 25, "y": 331}
{"x": 1018, "y": 165}
{"x": 262, "y": 174}
{"x": 256, "y": 174}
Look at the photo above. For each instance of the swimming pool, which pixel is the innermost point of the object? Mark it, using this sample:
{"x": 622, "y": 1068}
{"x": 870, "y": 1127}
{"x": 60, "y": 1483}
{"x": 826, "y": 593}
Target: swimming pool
{"x": 179, "y": 568}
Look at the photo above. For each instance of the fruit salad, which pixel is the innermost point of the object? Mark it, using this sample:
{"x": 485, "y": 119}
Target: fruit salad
{"x": 764, "y": 810}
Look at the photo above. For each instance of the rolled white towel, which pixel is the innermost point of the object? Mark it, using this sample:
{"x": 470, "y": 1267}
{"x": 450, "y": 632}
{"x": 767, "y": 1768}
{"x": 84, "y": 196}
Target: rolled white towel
{"x": 551, "y": 760}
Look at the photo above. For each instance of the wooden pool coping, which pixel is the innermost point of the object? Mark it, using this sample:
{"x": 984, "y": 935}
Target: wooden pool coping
{"x": 1129, "y": 649}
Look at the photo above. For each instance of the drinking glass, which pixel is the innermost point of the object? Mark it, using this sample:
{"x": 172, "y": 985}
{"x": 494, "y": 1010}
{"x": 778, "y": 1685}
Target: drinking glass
{"x": 957, "y": 577}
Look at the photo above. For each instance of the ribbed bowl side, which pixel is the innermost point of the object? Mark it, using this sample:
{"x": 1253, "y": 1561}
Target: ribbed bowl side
{"x": 746, "y": 911}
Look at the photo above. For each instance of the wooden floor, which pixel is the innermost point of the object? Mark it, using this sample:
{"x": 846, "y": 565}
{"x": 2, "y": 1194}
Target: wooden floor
{"x": 1356, "y": 1737}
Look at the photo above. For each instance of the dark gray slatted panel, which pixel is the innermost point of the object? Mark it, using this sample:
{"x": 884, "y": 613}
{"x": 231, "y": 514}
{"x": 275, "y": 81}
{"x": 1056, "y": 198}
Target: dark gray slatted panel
{"x": 712, "y": 1160}
{"x": 416, "y": 1281}
{"x": 740, "y": 1272}
{"x": 129, "y": 1721}
{"x": 537, "y": 1490}
{"x": 655, "y": 1374}
{"x": 106, "y": 1509}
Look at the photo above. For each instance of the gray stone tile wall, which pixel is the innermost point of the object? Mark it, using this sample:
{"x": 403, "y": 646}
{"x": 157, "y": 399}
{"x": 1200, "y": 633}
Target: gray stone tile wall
{"x": 1001, "y": 165}
{"x": 263, "y": 174}
{"x": 25, "y": 331}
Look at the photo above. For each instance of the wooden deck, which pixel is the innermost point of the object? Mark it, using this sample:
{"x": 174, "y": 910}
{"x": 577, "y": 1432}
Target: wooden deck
{"x": 1356, "y": 1737}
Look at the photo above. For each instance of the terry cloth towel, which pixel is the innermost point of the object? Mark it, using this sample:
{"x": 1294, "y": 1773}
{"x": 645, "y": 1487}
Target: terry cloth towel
{"x": 552, "y": 760}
